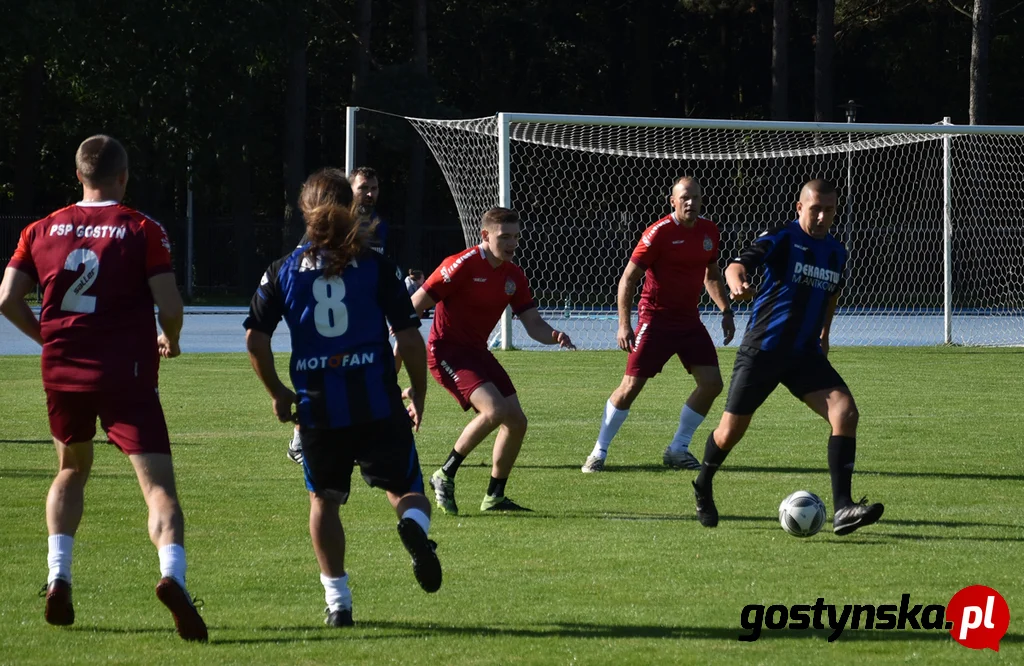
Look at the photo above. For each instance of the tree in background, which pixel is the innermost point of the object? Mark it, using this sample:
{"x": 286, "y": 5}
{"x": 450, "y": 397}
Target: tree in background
{"x": 824, "y": 52}
{"x": 981, "y": 41}
{"x": 780, "y": 60}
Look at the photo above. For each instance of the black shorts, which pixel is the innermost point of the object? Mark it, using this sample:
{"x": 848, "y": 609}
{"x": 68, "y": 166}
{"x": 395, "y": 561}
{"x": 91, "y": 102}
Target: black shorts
{"x": 756, "y": 374}
{"x": 384, "y": 450}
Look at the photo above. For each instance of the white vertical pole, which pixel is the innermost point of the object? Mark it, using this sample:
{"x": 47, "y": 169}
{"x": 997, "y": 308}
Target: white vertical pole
{"x": 947, "y": 234}
{"x": 504, "y": 199}
{"x": 350, "y": 138}
{"x": 190, "y": 231}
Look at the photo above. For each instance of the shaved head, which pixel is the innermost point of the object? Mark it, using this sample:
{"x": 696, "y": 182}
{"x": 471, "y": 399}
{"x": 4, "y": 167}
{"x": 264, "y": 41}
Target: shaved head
{"x": 687, "y": 182}
{"x": 686, "y": 199}
{"x": 100, "y": 159}
{"x": 816, "y": 208}
{"x": 818, "y": 186}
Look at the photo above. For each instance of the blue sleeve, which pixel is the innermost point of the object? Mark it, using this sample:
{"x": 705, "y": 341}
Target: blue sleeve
{"x": 266, "y": 308}
{"x": 761, "y": 250}
{"x": 394, "y": 298}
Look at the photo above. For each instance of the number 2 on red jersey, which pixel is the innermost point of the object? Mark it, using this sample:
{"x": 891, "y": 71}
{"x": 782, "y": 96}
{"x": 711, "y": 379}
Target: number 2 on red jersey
{"x": 75, "y": 299}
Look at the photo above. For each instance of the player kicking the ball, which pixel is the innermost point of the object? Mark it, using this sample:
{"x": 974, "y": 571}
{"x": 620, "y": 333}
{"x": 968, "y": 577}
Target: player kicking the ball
{"x": 337, "y": 297}
{"x": 787, "y": 343}
{"x": 679, "y": 254}
{"x": 471, "y": 290}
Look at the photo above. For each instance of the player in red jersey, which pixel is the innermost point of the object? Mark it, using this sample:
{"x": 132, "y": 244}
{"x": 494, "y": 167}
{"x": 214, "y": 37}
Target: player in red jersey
{"x": 471, "y": 290}
{"x": 679, "y": 254}
{"x": 102, "y": 266}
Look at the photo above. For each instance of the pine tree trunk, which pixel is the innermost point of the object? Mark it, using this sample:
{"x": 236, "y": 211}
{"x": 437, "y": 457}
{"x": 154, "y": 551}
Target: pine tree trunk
{"x": 26, "y": 156}
{"x": 780, "y": 61}
{"x": 411, "y": 254}
{"x": 294, "y": 149}
{"x": 981, "y": 43}
{"x": 824, "y": 49}
{"x": 364, "y": 25}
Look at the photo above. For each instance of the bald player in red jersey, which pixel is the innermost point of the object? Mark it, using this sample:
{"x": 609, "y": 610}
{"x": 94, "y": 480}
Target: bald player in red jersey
{"x": 471, "y": 290}
{"x": 679, "y": 255}
{"x": 102, "y": 267}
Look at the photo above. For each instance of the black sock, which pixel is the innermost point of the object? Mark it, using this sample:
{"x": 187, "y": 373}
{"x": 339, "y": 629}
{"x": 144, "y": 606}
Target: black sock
{"x": 451, "y": 466}
{"x": 713, "y": 458}
{"x": 841, "y": 453}
{"x": 496, "y": 488}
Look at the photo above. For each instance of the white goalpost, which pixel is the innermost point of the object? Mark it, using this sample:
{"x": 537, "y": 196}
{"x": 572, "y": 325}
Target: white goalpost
{"x": 933, "y": 215}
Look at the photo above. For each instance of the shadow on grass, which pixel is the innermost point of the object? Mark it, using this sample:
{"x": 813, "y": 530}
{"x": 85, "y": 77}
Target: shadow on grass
{"x": 611, "y": 469}
{"x": 419, "y": 631}
{"x": 50, "y": 473}
{"x": 974, "y": 476}
{"x": 98, "y": 442}
{"x": 887, "y": 521}
{"x": 754, "y": 469}
{"x": 121, "y": 630}
{"x": 772, "y": 520}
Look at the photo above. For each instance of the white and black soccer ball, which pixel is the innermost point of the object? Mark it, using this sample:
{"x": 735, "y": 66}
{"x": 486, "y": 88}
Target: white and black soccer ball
{"x": 802, "y": 514}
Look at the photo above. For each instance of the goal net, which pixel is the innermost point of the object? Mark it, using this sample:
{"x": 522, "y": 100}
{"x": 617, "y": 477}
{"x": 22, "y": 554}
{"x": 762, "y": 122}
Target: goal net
{"x": 933, "y": 216}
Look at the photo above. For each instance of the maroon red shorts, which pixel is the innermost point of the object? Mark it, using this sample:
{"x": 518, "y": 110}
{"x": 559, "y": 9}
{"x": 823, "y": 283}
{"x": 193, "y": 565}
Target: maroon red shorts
{"x": 657, "y": 343}
{"x": 462, "y": 370}
{"x": 134, "y": 422}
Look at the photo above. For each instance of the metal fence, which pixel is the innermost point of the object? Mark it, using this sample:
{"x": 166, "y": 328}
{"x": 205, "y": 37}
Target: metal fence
{"x": 229, "y": 256}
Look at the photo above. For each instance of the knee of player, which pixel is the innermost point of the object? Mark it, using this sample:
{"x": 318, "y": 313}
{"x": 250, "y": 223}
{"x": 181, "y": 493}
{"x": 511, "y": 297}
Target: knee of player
{"x": 711, "y": 387}
{"x": 164, "y": 506}
{"x": 513, "y": 418}
{"x": 727, "y": 436}
{"x": 849, "y": 416}
{"x": 75, "y": 475}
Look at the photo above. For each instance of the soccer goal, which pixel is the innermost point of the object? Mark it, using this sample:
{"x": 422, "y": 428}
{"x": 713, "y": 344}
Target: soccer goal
{"x": 933, "y": 215}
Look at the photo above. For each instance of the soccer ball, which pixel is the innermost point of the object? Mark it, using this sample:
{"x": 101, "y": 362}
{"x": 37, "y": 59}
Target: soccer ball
{"x": 802, "y": 514}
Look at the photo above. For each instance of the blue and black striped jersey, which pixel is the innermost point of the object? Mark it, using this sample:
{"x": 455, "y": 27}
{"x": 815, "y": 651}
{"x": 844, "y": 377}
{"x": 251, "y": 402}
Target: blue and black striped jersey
{"x": 801, "y": 273}
{"x": 341, "y": 365}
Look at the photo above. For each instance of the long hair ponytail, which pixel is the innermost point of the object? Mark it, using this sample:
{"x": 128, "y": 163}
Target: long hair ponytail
{"x": 335, "y": 236}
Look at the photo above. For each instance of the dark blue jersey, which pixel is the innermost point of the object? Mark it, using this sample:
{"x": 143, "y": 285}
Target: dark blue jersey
{"x": 801, "y": 273}
{"x": 341, "y": 366}
{"x": 379, "y": 241}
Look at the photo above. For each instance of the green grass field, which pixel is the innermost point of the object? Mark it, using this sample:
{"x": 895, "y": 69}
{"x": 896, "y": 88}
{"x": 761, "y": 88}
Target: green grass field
{"x": 611, "y": 569}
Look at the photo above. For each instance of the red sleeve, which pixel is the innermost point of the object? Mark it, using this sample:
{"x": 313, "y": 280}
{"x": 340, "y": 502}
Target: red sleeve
{"x": 522, "y": 300}
{"x": 22, "y": 258}
{"x": 158, "y": 248}
{"x": 647, "y": 249}
{"x": 438, "y": 286}
{"x": 449, "y": 275}
{"x": 716, "y": 240}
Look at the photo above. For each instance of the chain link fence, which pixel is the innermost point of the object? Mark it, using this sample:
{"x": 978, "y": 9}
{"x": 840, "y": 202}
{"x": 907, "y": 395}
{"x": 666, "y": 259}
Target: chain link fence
{"x": 229, "y": 255}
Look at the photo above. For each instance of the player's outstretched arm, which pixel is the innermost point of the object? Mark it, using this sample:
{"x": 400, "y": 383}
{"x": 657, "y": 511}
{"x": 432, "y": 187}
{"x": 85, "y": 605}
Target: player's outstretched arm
{"x": 414, "y": 352}
{"x": 541, "y": 331}
{"x": 170, "y": 313}
{"x": 15, "y": 287}
{"x": 422, "y": 302}
{"x": 624, "y": 298}
{"x": 716, "y": 290}
{"x": 257, "y": 343}
{"x": 739, "y": 283}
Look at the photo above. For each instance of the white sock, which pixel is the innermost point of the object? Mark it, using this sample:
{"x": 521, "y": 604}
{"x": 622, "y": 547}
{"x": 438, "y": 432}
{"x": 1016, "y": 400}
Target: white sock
{"x": 689, "y": 421}
{"x": 418, "y": 517}
{"x": 58, "y": 557}
{"x": 610, "y": 425}
{"x": 297, "y": 438}
{"x": 172, "y": 563}
{"x": 336, "y": 592}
